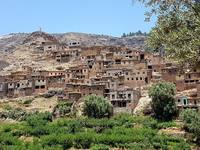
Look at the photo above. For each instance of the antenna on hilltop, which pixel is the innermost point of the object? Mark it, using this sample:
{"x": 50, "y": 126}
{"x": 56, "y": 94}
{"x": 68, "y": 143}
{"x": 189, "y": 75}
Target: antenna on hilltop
{"x": 40, "y": 29}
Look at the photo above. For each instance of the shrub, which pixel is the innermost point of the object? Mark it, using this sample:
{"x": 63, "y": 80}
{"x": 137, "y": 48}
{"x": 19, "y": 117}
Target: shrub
{"x": 83, "y": 140}
{"x": 7, "y": 139}
{"x": 15, "y": 114}
{"x": 63, "y": 108}
{"x": 191, "y": 121}
{"x": 7, "y": 107}
{"x": 28, "y": 101}
{"x": 100, "y": 147}
{"x": 163, "y": 101}
{"x": 39, "y": 119}
{"x": 97, "y": 107}
{"x": 66, "y": 141}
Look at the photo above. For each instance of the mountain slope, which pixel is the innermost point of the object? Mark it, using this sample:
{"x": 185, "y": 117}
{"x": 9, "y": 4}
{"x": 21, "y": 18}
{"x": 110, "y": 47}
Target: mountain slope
{"x": 9, "y": 42}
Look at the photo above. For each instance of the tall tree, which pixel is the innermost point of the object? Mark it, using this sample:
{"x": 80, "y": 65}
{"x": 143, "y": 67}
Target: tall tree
{"x": 163, "y": 101}
{"x": 177, "y": 30}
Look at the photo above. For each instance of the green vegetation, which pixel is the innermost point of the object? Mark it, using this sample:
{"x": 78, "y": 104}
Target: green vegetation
{"x": 163, "y": 101}
{"x": 97, "y": 107}
{"x": 191, "y": 120}
{"x": 13, "y": 113}
{"x": 138, "y": 33}
{"x": 177, "y": 29}
{"x": 28, "y": 101}
{"x": 63, "y": 108}
{"x": 121, "y": 131}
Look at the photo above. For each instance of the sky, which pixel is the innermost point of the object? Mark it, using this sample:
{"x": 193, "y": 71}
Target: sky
{"x": 109, "y": 17}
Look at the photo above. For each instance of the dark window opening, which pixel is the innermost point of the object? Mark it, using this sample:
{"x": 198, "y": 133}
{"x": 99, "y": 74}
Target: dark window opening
{"x": 42, "y": 87}
{"x": 146, "y": 80}
{"x": 142, "y": 57}
{"x": 195, "y": 102}
{"x": 150, "y": 67}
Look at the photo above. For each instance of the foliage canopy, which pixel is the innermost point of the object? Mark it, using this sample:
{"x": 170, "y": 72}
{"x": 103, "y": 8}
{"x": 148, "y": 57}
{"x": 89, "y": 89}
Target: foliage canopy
{"x": 177, "y": 30}
{"x": 163, "y": 101}
{"x": 97, "y": 107}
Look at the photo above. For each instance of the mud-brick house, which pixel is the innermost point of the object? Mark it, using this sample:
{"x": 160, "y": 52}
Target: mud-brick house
{"x": 74, "y": 44}
{"x": 11, "y": 88}
{"x": 102, "y": 64}
{"x": 139, "y": 55}
{"x": 3, "y": 87}
{"x": 27, "y": 69}
{"x": 63, "y": 57}
{"x": 170, "y": 73}
{"x": 88, "y": 55}
{"x": 40, "y": 81}
{"x": 117, "y": 72}
{"x": 191, "y": 79}
{"x": 55, "y": 79}
{"x": 19, "y": 83}
{"x": 124, "y": 99}
{"x": 67, "y": 55}
{"x": 188, "y": 99}
{"x": 79, "y": 72}
{"x": 72, "y": 89}
{"x": 52, "y": 47}
{"x": 24, "y": 87}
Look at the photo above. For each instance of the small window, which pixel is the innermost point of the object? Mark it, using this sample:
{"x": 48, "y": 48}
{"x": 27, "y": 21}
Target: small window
{"x": 127, "y": 78}
{"x": 136, "y": 78}
{"x": 43, "y": 86}
{"x": 140, "y": 78}
{"x": 113, "y": 96}
{"x": 195, "y": 102}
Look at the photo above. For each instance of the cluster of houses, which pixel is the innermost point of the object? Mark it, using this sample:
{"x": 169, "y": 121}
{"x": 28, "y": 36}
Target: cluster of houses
{"x": 117, "y": 73}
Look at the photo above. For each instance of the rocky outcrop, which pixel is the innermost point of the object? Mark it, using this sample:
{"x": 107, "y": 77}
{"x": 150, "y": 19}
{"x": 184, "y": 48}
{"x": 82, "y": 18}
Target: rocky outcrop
{"x": 143, "y": 105}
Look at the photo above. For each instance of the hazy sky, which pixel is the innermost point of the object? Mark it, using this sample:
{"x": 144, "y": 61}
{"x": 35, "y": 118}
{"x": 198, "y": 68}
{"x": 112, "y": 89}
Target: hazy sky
{"x": 112, "y": 17}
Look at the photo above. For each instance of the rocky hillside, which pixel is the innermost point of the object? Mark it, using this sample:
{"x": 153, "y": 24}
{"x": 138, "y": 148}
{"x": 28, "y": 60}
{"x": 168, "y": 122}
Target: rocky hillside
{"x": 94, "y": 39}
{"x": 9, "y": 42}
{"x": 15, "y": 51}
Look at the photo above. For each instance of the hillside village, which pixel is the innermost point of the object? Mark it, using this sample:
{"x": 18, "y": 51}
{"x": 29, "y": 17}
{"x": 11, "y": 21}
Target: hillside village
{"x": 119, "y": 73}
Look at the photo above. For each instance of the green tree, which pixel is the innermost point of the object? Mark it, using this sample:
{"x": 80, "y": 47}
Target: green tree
{"x": 97, "y": 107}
{"x": 191, "y": 121}
{"x": 124, "y": 35}
{"x": 177, "y": 30}
{"x": 163, "y": 101}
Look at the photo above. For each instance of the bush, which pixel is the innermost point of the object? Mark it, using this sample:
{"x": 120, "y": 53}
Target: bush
{"x": 97, "y": 107}
{"x": 163, "y": 101}
{"x": 28, "y": 101}
{"x": 83, "y": 140}
{"x": 66, "y": 141}
{"x": 191, "y": 120}
{"x": 100, "y": 147}
{"x": 63, "y": 108}
{"x": 15, "y": 114}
